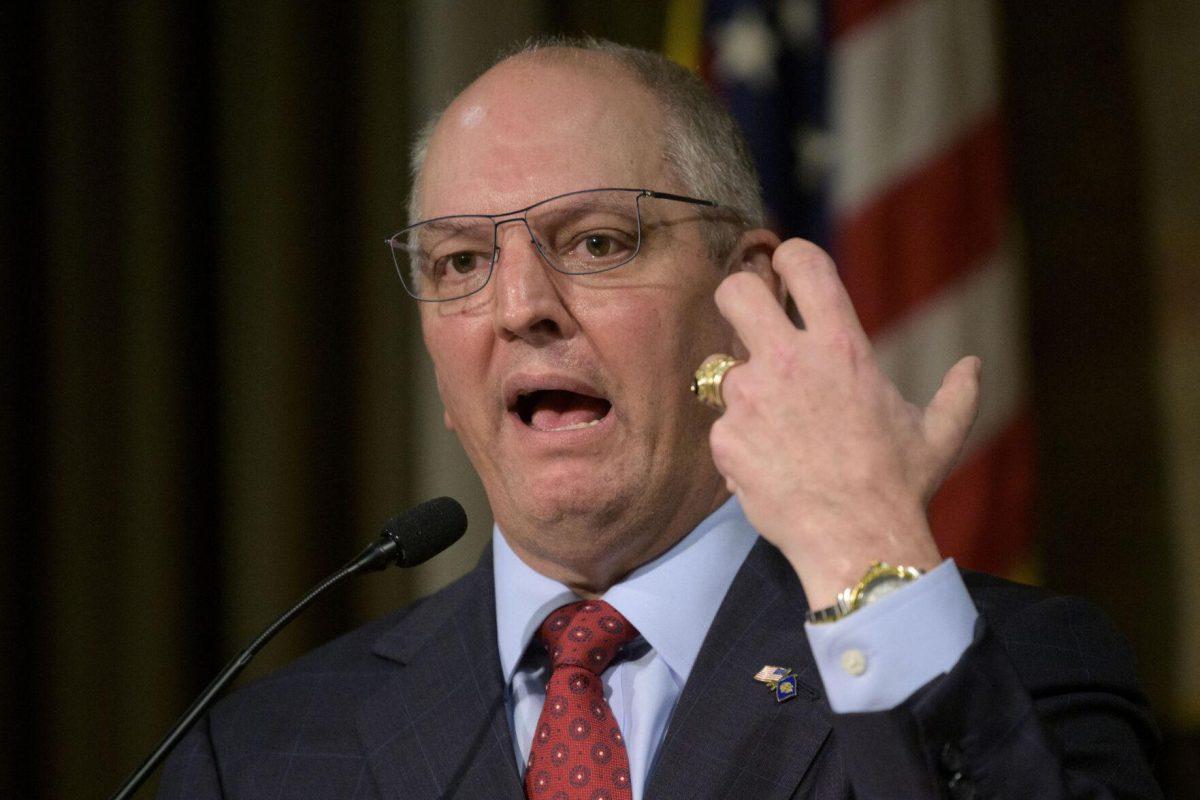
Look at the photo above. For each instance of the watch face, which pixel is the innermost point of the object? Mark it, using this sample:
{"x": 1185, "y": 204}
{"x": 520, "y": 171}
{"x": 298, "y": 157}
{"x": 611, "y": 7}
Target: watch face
{"x": 880, "y": 589}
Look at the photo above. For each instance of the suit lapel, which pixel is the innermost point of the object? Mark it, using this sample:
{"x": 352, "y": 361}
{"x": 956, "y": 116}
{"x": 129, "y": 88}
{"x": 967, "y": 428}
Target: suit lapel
{"x": 439, "y": 728}
{"x": 728, "y": 736}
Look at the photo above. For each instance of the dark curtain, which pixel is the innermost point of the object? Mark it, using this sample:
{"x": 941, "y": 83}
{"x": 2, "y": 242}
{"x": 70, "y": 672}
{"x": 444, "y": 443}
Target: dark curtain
{"x": 204, "y": 353}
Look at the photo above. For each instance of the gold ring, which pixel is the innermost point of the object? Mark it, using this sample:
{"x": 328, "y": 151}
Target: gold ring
{"x": 707, "y": 383}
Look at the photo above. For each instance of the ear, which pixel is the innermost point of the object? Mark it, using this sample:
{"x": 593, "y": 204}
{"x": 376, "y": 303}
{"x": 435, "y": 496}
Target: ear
{"x": 447, "y": 420}
{"x": 753, "y": 253}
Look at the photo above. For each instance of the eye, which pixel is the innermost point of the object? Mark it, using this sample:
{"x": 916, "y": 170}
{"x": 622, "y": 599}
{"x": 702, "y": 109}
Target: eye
{"x": 593, "y": 244}
{"x": 463, "y": 262}
{"x": 598, "y": 245}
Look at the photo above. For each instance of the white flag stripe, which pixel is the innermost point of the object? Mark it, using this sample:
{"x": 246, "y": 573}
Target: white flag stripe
{"x": 977, "y": 315}
{"x": 904, "y": 86}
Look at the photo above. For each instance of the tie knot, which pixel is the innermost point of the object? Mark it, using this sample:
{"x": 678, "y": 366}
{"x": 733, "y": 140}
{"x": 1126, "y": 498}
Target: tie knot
{"x": 586, "y": 634}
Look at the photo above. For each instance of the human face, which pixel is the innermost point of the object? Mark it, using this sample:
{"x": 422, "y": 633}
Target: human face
{"x": 569, "y": 393}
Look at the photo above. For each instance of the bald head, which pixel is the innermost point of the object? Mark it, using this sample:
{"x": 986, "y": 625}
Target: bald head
{"x": 698, "y": 140}
{"x": 542, "y": 123}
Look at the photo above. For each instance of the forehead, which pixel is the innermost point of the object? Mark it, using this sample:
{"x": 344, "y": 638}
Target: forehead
{"x": 533, "y": 127}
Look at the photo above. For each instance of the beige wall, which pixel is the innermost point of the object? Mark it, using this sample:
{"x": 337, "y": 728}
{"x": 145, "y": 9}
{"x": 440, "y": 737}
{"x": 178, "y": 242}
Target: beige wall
{"x": 1166, "y": 48}
{"x": 444, "y": 49}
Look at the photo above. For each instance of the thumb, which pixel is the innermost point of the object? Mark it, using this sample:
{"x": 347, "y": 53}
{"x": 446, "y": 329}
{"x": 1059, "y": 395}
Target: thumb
{"x": 951, "y": 413}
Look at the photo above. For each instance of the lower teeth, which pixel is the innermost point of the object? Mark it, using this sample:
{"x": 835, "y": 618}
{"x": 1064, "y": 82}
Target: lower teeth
{"x": 579, "y": 425}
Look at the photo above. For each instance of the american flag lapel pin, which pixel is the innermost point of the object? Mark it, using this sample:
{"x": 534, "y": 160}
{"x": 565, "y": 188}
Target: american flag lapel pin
{"x": 779, "y": 680}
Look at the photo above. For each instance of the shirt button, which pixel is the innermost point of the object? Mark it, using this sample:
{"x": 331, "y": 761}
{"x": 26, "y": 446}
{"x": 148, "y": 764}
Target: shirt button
{"x": 854, "y": 662}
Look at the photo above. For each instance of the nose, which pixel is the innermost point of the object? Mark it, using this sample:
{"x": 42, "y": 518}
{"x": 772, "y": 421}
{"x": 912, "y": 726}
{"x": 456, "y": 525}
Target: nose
{"x": 527, "y": 303}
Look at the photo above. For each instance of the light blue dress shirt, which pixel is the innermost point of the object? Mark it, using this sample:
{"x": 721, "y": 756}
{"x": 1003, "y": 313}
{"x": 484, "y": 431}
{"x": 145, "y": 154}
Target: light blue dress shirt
{"x": 871, "y": 660}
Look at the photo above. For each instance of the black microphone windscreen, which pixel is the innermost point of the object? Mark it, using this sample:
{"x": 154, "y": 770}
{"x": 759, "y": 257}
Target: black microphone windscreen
{"x": 426, "y": 530}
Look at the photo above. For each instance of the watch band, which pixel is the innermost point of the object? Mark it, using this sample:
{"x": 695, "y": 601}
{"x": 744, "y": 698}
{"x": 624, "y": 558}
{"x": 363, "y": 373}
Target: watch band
{"x": 855, "y": 597}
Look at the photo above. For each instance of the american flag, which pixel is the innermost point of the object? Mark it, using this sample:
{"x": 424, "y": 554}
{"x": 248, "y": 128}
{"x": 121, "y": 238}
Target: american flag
{"x": 878, "y": 133}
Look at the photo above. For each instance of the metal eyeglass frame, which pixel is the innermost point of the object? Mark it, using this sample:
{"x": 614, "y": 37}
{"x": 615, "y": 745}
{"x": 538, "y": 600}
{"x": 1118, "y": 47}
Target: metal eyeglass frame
{"x": 522, "y": 215}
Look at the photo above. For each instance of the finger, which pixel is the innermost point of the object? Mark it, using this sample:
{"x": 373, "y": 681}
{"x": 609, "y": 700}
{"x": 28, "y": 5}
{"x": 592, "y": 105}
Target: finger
{"x": 756, "y": 316}
{"x": 728, "y": 450}
{"x": 951, "y": 413}
{"x": 813, "y": 284}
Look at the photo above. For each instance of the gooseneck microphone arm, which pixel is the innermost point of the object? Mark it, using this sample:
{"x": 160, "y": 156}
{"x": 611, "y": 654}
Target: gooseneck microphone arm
{"x": 408, "y": 539}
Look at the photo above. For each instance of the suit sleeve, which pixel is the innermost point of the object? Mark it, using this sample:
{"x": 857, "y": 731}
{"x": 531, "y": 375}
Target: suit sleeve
{"x": 191, "y": 769}
{"x": 1044, "y": 703}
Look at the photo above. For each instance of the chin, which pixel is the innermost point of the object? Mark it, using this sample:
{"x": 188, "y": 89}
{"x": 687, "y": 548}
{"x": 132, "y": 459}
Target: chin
{"x": 572, "y": 497}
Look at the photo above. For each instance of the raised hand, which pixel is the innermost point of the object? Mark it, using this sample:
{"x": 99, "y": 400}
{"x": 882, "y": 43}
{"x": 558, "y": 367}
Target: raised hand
{"x": 830, "y": 462}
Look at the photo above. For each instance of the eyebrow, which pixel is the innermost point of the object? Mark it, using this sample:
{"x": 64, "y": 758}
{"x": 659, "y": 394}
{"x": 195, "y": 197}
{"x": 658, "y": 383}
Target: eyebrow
{"x": 456, "y": 224}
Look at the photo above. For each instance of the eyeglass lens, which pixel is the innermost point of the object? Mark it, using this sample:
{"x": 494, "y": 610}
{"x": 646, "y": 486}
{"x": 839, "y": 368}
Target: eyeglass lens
{"x": 577, "y": 234}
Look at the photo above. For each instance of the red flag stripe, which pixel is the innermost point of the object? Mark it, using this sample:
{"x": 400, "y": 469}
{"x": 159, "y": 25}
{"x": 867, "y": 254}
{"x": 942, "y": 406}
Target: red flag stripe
{"x": 977, "y": 314}
{"x": 983, "y": 515}
{"x": 906, "y": 88}
{"x": 921, "y": 233}
{"x": 920, "y": 210}
{"x": 846, "y": 15}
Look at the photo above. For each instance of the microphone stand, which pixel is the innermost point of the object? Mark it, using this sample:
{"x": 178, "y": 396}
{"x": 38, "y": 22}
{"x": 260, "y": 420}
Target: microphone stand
{"x": 376, "y": 556}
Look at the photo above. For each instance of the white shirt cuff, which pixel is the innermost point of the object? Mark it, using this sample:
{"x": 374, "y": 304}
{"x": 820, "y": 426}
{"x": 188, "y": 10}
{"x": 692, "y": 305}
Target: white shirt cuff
{"x": 873, "y": 659}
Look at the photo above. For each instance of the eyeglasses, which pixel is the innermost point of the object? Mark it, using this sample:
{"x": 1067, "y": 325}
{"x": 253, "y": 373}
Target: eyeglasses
{"x": 577, "y": 233}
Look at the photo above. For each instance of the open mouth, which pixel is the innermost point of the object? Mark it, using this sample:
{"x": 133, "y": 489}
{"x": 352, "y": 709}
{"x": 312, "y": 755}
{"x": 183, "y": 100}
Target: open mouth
{"x": 560, "y": 410}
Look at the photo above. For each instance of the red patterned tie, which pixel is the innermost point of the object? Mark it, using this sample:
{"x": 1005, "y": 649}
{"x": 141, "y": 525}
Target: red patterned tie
{"x": 578, "y": 752}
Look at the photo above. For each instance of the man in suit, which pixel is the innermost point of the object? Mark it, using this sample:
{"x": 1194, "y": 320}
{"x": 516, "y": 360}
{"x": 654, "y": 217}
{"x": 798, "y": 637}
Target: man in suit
{"x": 588, "y": 232}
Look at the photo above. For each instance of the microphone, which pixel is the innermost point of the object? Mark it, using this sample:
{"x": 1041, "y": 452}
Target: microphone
{"x": 414, "y": 537}
{"x": 410, "y": 538}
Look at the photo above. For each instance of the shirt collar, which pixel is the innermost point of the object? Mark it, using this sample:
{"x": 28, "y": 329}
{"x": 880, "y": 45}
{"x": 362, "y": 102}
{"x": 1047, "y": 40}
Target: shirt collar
{"x": 671, "y": 600}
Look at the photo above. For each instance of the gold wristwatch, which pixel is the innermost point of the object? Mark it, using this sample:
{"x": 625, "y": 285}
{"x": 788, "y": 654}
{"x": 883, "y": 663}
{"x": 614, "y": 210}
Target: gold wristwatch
{"x": 879, "y": 581}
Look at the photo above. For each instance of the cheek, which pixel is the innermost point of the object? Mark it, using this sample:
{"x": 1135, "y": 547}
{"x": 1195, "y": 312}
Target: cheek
{"x": 694, "y": 330}
{"x": 657, "y": 346}
{"x": 459, "y": 364}
{"x": 642, "y": 339}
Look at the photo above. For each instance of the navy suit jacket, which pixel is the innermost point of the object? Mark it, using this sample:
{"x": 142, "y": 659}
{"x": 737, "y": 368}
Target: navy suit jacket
{"x": 1044, "y": 704}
